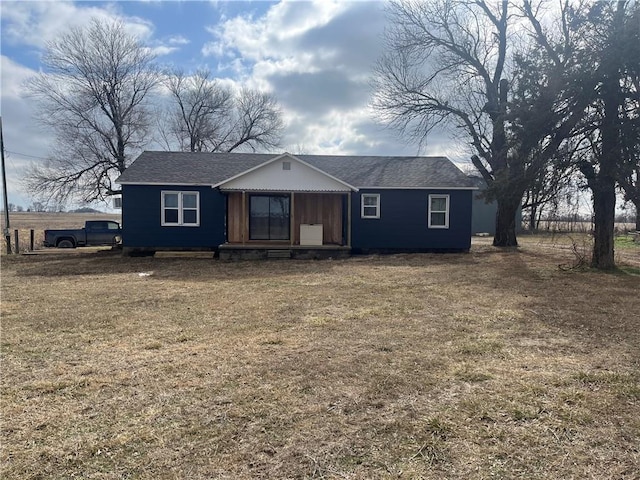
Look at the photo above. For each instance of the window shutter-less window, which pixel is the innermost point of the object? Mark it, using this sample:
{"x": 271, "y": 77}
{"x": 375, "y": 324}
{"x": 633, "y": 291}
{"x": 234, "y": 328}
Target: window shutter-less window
{"x": 438, "y": 211}
{"x": 180, "y": 209}
{"x": 370, "y": 205}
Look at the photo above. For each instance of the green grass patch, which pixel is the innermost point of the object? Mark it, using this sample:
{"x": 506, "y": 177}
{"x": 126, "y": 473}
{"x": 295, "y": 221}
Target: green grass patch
{"x": 626, "y": 242}
{"x": 628, "y": 270}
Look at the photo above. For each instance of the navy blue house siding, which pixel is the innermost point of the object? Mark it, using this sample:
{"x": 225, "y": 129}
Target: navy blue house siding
{"x": 142, "y": 225}
{"x": 403, "y": 222}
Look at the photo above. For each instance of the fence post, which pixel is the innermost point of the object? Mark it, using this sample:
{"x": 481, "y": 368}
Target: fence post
{"x": 17, "y": 242}
{"x": 31, "y": 240}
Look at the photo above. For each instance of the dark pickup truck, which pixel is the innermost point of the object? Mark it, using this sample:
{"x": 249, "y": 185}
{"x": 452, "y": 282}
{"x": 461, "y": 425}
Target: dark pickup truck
{"x": 94, "y": 233}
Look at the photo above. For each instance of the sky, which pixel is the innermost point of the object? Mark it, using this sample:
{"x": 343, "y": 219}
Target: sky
{"x": 316, "y": 57}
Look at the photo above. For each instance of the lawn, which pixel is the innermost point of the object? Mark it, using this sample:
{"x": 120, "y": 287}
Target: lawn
{"x": 492, "y": 364}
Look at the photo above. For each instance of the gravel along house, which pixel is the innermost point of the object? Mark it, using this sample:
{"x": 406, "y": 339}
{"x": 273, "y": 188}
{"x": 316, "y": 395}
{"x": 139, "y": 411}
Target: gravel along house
{"x": 247, "y": 205}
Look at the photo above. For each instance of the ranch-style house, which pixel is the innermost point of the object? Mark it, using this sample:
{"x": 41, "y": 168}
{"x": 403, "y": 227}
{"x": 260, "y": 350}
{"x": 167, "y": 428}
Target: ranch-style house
{"x": 246, "y": 205}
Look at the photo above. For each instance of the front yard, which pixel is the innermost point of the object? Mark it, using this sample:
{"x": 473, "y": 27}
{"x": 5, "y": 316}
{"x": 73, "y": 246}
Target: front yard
{"x": 492, "y": 364}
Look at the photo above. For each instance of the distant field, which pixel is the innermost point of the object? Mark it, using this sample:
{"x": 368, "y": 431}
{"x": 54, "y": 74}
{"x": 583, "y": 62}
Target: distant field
{"x": 25, "y": 221}
{"x": 558, "y": 226}
{"x": 491, "y": 364}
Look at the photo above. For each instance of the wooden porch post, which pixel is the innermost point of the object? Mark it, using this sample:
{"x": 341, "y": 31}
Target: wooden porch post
{"x": 244, "y": 216}
{"x": 292, "y": 222}
{"x": 349, "y": 219}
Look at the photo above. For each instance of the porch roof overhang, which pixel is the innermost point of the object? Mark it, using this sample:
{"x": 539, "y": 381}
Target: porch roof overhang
{"x": 285, "y": 173}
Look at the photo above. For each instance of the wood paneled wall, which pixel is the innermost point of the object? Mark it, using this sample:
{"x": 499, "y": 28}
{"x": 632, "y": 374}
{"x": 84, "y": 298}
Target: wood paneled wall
{"x": 324, "y": 208}
{"x": 321, "y": 208}
{"x": 235, "y": 218}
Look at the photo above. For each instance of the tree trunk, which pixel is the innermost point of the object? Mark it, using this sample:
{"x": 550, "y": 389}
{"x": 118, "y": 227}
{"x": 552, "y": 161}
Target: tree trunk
{"x": 603, "y": 182}
{"x": 638, "y": 218}
{"x": 604, "y": 206}
{"x": 505, "y": 235}
{"x": 533, "y": 215}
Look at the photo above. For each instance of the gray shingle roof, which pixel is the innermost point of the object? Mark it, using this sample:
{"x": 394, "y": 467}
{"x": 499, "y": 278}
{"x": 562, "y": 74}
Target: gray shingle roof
{"x": 176, "y": 168}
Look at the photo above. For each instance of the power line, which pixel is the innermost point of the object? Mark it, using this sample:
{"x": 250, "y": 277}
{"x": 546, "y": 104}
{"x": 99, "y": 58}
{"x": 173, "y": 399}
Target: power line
{"x": 25, "y": 155}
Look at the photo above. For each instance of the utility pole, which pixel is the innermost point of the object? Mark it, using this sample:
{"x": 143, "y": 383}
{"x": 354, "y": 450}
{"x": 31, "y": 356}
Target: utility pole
{"x": 7, "y": 226}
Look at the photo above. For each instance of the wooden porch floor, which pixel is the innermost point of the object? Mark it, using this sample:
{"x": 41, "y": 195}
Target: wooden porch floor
{"x": 253, "y": 251}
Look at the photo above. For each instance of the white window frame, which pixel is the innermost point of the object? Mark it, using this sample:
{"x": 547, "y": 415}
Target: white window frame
{"x": 180, "y": 222}
{"x": 377, "y": 205}
{"x": 445, "y": 211}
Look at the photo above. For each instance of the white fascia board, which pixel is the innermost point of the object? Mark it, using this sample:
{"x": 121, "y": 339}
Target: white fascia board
{"x": 275, "y": 190}
{"x": 280, "y": 157}
{"x": 419, "y": 188}
{"x": 171, "y": 184}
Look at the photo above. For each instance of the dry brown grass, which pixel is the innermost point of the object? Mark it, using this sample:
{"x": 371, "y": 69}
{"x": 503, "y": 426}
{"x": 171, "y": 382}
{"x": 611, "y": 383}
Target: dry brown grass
{"x": 493, "y": 364}
{"x": 24, "y": 222}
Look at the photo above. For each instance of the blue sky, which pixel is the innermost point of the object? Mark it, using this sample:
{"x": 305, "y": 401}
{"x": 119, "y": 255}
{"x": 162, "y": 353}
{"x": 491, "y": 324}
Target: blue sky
{"x": 315, "y": 57}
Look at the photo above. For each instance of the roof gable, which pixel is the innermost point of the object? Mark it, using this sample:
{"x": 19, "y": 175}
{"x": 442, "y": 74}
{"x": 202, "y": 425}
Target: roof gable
{"x": 285, "y": 173}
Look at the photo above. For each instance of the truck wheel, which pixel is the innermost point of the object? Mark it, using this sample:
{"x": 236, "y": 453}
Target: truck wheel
{"x": 66, "y": 243}
{"x": 117, "y": 240}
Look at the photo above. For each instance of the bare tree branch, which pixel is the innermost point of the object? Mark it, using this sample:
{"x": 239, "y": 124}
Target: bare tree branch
{"x": 445, "y": 64}
{"x": 208, "y": 117}
{"x": 93, "y": 94}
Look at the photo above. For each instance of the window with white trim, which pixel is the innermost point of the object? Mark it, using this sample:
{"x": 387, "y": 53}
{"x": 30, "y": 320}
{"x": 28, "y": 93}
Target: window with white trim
{"x": 370, "y": 207}
{"x": 438, "y": 211}
{"x": 180, "y": 209}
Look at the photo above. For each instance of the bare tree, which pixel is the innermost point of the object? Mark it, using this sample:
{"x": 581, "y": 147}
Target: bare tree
{"x": 607, "y": 152}
{"x": 631, "y": 185}
{"x": 93, "y": 94}
{"x": 202, "y": 108}
{"x": 209, "y": 117}
{"x": 257, "y": 122}
{"x": 37, "y": 207}
{"x": 544, "y": 192}
{"x": 629, "y": 178}
{"x": 445, "y": 65}
{"x": 452, "y": 62}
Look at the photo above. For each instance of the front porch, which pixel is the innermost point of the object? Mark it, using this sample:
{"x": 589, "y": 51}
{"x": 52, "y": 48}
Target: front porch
{"x": 288, "y": 220}
{"x": 259, "y": 251}
{"x": 286, "y": 208}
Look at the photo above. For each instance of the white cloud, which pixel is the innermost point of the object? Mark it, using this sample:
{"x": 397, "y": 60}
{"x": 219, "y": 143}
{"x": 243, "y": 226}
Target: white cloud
{"x": 33, "y": 24}
{"x": 36, "y": 23}
{"x": 161, "y": 50}
{"x": 13, "y": 76}
{"x": 316, "y": 57}
{"x": 178, "y": 40}
{"x": 24, "y": 141}
{"x": 274, "y": 36}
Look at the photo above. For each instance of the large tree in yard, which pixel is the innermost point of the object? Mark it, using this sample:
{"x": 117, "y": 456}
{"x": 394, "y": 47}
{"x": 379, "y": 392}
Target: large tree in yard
{"x": 631, "y": 186}
{"x": 607, "y": 153}
{"x": 206, "y": 116}
{"x": 93, "y": 94}
{"x": 445, "y": 63}
{"x": 460, "y": 63}
{"x": 629, "y": 178}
